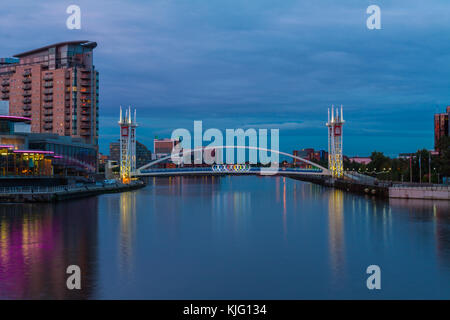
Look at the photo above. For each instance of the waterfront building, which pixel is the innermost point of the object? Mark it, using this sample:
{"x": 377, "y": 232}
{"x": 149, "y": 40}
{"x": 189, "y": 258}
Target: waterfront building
{"x": 56, "y": 86}
{"x": 23, "y": 153}
{"x": 441, "y": 127}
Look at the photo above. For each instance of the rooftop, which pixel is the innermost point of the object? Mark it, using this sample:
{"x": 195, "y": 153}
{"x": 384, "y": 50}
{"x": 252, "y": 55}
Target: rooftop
{"x": 85, "y": 43}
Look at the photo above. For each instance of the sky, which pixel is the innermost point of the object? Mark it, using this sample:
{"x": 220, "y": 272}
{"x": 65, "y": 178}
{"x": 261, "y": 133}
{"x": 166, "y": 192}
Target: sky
{"x": 258, "y": 64}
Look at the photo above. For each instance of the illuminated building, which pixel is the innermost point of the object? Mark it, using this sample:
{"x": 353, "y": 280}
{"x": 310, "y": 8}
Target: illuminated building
{"x": 23, "y": 153}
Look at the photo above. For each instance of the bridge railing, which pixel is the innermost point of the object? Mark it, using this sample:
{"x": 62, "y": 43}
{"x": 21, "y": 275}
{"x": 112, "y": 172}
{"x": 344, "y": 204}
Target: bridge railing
{"x": 209, "y": 169}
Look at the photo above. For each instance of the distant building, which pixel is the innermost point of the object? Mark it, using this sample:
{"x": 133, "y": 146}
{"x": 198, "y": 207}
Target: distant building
{"x": 441, "y": 127}
{"x": 143, "y": 155}
{"x": 413, "y": 155}
{"x": 114, "y": 151}
{"x": 56, "y": 86}
{"x": 310, "y": 154}
{"x": 163, "y": 147}
{"x": 360, "y": 160}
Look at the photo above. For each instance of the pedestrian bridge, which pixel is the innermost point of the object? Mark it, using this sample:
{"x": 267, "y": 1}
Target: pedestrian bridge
{"x": 230, "y": 169}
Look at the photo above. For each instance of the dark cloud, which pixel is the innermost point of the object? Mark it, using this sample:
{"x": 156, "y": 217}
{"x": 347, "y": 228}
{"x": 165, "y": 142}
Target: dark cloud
{"x": 238, "y": 63}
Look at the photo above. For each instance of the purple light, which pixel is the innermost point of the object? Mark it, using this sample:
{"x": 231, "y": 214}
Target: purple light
{"x": 33, "y": 151}
{"x": 6, "y": 146}
{"x": 15, "y": 118}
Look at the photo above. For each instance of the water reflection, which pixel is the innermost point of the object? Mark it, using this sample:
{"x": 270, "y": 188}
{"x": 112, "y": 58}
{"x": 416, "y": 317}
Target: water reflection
{"x": 225, "y": 238}
{"x": 336, "y": 231}
{"x": 436, "y": 212}
{"x": 127, "y": 232}
{"x": 39, "y": 241}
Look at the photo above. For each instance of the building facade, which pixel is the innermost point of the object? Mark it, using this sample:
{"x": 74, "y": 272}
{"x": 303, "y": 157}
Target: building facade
{"x": 143, "y": 155}
{"x": 163, "y": 147}
{"x": 441, "y": 127}
{"x": 57, "y": 87}
{"x": 42, "y": 154}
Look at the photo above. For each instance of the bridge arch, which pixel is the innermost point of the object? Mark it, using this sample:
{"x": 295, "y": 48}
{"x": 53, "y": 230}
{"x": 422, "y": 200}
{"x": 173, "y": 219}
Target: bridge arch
{"x": 189, "y": 151}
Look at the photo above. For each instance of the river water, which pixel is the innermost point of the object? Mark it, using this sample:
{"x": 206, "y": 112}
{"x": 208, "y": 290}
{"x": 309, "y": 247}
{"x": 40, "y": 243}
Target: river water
{"x": 240, "y": 237}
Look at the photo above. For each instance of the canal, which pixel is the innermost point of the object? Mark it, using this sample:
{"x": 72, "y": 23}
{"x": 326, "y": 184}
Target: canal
{"x": 240, "y": 237}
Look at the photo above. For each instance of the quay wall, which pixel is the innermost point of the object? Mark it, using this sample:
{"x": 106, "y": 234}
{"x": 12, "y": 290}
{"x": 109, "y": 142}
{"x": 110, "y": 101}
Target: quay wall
{"x": 428, "y": 192}
{"x": 51, "y": 194}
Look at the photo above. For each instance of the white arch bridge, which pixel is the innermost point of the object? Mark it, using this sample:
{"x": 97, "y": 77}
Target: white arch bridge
{"x": 314, "y": 170}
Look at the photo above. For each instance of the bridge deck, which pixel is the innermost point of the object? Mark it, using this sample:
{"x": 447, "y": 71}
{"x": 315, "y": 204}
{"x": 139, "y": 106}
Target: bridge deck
{"x": 211, "y": 171}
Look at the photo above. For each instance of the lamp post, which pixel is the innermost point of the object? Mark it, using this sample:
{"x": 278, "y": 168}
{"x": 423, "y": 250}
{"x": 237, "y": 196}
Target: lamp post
{"x": 429, "y": 167}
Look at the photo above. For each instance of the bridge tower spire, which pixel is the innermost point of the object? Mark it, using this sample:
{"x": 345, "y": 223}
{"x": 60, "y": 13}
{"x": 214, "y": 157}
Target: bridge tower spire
{"x": 127, "y": 144}
{"x": 335, "y": 137}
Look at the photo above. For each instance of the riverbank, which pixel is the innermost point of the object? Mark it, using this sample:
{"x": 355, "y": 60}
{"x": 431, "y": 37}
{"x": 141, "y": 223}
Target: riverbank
{"x": 382, "y": 189}
{"x": 65, "y": 192}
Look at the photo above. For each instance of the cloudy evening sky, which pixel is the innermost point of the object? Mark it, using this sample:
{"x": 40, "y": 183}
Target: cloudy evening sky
{"x": 258, "y": 63}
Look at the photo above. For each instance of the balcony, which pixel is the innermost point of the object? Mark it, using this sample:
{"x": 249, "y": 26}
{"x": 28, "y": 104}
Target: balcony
{"x": 48, "y": 85}
{"x": 67, "y": 104}
{"x": 26, "y": 100}
{"x": 48, "y": 91}
{"x": 27, "y": 114}
{"x": 48, "y": 119}
{"x": 48, "y": 126}
{"x": 26, "y": 80}
{"x": 67, "y": 75}
{"x": 26, "y": 107}
{"x": 85, "y": 83}
{"x": 85, "y": 133}
{"x": 48, "y": 113}
{"x": 48, "y": 106}
{"x": 85, "y": 126}
{"x": 27, "y": 87}
{"x": 5, "y": 90}
{"x": 26, "y": 73}
{"x": 48, "y": 98}
{"x": 85, "y": 119}
{"x": 26, "y": 94}
{"x": 67, "y": 126}
{"x": 5, "y": 83}
{"x": 48, "y": 77}
{"x": 5, "y": 96}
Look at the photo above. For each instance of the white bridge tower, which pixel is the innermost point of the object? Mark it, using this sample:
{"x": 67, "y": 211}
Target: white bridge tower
{"x": 127, "y": 160}
{"x": 335, "y": 158}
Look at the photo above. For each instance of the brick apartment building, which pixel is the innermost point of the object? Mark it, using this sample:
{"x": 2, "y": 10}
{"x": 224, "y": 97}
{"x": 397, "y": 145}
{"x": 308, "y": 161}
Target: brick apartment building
{"x": 56, "y": 86}
{"x": 441, "y": 126}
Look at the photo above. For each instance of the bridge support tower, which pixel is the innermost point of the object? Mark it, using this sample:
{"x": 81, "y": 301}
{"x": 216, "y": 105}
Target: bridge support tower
{"x": 335, "y": 134}
{"x": 127, "y": 159}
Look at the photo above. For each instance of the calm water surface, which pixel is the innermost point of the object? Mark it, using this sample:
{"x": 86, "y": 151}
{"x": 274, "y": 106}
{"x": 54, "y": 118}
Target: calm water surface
{"x": 226, "y": 238}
